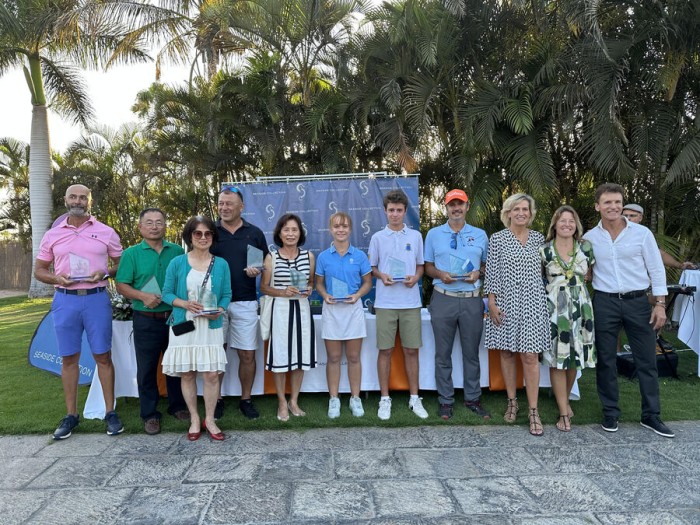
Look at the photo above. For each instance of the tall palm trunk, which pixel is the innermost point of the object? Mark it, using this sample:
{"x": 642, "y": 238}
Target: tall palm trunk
{"x": 40, "y": 190}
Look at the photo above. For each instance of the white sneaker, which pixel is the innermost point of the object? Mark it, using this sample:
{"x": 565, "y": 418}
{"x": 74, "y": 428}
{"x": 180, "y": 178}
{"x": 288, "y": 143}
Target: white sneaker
{"x": 356, "y": 407}
{"x": 334, "y": 408}
{"x": 384, "y": 411}
{"x": 416, "y": 404}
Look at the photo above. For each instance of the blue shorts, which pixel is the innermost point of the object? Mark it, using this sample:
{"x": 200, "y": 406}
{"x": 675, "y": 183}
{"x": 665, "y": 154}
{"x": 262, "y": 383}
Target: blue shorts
{"x": 73, "y": 314}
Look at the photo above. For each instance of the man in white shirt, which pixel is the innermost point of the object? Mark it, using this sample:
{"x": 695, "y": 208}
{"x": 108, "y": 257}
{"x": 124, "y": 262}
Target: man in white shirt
{"x": 627, "y": 262}
{"x": 396, "y": 257}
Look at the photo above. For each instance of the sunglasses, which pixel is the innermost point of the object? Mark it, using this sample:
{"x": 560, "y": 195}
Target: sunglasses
{"x": 233, "y": 189}
{"x": 453, "y": 241}
{"x": 198, "y": 234}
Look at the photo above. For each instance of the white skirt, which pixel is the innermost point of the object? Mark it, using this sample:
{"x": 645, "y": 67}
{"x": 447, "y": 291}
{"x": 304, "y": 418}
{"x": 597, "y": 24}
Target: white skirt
{"x": 343, "y": 321}
{"x": 199, "y": 351}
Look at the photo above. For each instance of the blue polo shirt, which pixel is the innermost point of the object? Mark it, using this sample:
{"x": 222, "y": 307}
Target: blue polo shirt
{"x": 472, "y": 244}
{"x": 349, "y": 268}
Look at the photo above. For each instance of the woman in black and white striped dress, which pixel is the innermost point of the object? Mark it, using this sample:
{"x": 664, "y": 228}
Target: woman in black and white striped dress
{"x": 288, "y": 277}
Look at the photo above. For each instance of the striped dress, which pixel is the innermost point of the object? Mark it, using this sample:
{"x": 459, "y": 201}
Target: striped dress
{"x": 292, "y": 343}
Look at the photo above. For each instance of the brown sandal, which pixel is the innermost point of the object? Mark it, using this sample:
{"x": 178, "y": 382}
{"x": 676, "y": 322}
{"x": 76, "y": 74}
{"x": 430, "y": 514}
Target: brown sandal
{"x": 536, "y": 428}
{"x": 511, "y": 411}
{"x": 564, "y": 423}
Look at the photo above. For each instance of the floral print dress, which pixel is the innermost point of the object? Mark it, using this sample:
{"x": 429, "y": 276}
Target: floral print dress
{"x": 570, "y": 308}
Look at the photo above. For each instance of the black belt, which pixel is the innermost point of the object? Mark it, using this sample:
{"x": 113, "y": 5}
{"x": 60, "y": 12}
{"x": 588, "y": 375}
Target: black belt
{"x": 626, "y": 295}
{"x": 81, "y": 291}
{"x": 155, "y": 315}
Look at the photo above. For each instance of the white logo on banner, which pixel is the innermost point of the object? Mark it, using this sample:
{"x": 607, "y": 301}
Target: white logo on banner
{"x": 271, "y": 210}
{"x": 365, "y": 228}
{"x": 302, "y": 191}
{"x": 303, "y": 227}
{"x": 365, "y": 189}
{"x": 333, "y": 207}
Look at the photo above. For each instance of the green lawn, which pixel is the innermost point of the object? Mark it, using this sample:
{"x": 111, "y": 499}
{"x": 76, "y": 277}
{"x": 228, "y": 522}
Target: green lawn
{"x": 31, "y": 400}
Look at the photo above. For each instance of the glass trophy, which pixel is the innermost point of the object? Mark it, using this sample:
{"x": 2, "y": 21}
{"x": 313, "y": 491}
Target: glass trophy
{"x": 79, "y": 267}
{"x": 397, "y": 269}
{"x": 255, "y": 258}
{"x": 207, "y": 299}
{"x": 460, "y": 267}
{"x": 340, "y": 290}
{"x": 151, "y": 286}
{"x": 298, "y": 279}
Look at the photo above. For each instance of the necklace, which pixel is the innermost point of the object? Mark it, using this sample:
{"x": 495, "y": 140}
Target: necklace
{"x": 567, "y": 268}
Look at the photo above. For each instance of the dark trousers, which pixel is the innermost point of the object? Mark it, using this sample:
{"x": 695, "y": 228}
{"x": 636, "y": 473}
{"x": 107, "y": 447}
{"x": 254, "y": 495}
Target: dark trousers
{"x": 611, "y": 314}
{"x": 446, "y": 315}
{"x": 150, "y": 341}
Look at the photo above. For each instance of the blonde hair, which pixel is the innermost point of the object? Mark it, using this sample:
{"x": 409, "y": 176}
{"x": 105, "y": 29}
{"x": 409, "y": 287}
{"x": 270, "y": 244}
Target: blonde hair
{"x": 344, "y": 218}
{"x": 511, "y": 201}
{"x": 551, "y": 231}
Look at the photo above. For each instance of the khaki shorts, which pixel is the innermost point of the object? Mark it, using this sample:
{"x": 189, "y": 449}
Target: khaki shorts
{"x": 242, "y": 327}
{"x": 408, "y": 323}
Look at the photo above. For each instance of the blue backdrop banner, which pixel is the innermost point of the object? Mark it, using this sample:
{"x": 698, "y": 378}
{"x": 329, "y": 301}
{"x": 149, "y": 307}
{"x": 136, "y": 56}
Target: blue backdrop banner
{"x": 43, "y": 352}
{"x": 316, "y": 200}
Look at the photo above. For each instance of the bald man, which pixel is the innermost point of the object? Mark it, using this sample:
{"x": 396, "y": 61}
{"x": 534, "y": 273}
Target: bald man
{"x": 79, "y": 249}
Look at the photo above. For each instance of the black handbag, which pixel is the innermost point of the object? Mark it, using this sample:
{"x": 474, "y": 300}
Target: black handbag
{"x": 183, "y": 328}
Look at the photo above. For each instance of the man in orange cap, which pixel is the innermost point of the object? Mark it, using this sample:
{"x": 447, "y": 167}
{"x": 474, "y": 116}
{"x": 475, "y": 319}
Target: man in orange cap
{"x": 455, "y": 256}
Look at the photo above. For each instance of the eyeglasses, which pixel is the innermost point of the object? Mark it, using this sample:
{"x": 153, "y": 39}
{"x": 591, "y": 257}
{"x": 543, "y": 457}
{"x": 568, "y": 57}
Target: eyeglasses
{"x": 198, "y": 234}
{"x": 233, "y": 189}
{"x": 151, "y": 224}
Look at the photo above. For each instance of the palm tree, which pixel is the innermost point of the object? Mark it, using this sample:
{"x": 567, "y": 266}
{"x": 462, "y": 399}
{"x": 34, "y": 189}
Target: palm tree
{"x": 14, "y": 180}
{"x": 49, "y": 40}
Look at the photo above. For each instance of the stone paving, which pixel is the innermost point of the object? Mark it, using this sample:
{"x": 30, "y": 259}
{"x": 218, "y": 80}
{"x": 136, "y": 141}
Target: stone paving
{"x": 423, "y": 475}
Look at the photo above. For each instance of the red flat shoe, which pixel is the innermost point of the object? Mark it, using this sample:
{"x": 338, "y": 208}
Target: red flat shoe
{"x": 219, "y": 436}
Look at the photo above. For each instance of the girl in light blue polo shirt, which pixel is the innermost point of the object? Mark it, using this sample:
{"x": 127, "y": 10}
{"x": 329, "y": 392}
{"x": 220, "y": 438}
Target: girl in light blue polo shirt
{"x": 343, "y": 276}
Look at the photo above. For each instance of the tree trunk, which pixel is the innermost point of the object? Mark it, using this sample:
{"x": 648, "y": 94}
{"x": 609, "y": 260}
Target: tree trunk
{"x": 40, "y": 190}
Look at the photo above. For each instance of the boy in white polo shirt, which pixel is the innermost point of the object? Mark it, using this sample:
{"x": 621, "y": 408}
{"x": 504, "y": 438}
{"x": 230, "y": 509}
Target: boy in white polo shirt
{"x": 396, "y": 256}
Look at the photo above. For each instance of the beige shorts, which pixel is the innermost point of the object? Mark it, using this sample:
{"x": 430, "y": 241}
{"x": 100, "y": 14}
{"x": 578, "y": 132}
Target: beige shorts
{"x": 408, "y": 323}
{"x": 242, "y": 329}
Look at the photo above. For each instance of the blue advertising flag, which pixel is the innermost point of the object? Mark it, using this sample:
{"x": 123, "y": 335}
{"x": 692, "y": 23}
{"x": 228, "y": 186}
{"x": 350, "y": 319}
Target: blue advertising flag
{"x": 43, "y": 352}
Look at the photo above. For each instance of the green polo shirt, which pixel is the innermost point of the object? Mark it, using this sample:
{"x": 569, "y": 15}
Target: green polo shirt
{"x": 141, "y": 262}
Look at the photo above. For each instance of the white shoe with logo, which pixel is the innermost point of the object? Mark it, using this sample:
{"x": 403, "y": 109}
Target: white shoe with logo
{"x": 416, "y": 404}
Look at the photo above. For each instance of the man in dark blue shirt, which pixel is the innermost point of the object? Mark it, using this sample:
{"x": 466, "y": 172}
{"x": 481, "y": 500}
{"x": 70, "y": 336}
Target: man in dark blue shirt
{"x": 235, "y": 235}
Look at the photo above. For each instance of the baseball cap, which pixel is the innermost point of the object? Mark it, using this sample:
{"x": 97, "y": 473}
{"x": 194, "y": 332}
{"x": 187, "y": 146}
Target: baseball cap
{"x": 456, "y": 194}
{"x": 634, "y": 207}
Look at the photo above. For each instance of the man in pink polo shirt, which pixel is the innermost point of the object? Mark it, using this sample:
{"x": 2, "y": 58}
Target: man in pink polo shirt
{"x": 79, "y": 248}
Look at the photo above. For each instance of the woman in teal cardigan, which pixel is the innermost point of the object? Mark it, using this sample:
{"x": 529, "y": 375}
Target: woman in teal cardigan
{"x": 200, "y": 299}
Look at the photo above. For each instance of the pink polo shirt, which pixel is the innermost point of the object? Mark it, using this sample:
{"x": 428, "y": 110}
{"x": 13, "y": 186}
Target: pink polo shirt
{"x": 92, "y": 240}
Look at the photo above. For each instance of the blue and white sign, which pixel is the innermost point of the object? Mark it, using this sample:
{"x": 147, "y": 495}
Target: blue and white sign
{"x": 314, "y": 201}
{"x": 43, "y": 352}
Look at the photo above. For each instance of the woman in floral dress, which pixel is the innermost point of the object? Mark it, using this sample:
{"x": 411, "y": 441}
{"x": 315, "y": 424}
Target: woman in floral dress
{"x": 567, "y": 260}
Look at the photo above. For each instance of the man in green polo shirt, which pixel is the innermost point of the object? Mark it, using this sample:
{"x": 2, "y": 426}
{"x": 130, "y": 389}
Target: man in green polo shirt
{"x": 140, "y": 278}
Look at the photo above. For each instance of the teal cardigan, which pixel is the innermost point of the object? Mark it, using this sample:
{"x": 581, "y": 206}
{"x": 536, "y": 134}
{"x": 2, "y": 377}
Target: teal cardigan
{"x": 175, "y": 287}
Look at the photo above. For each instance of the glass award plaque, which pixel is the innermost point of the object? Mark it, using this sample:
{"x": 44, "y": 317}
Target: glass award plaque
{"x": 254, "y": 258}
{"x": 298, "y": 279}
{"x": 397, "y": 269}
{"x": 340, "y": 290}
{"x": 460, "y": 267}
{"x": 151, "y": 286}
{"x": 207, "y": 299}
{"x": 79, "y": 267}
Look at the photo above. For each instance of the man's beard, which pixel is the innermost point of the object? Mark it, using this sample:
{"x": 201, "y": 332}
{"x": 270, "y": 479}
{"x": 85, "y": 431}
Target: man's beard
{"x": 77, "y": 211}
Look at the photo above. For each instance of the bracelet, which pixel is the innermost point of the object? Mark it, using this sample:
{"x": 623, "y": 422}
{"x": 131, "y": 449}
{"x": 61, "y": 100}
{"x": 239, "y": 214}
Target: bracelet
{"x": 660, "y": 304}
